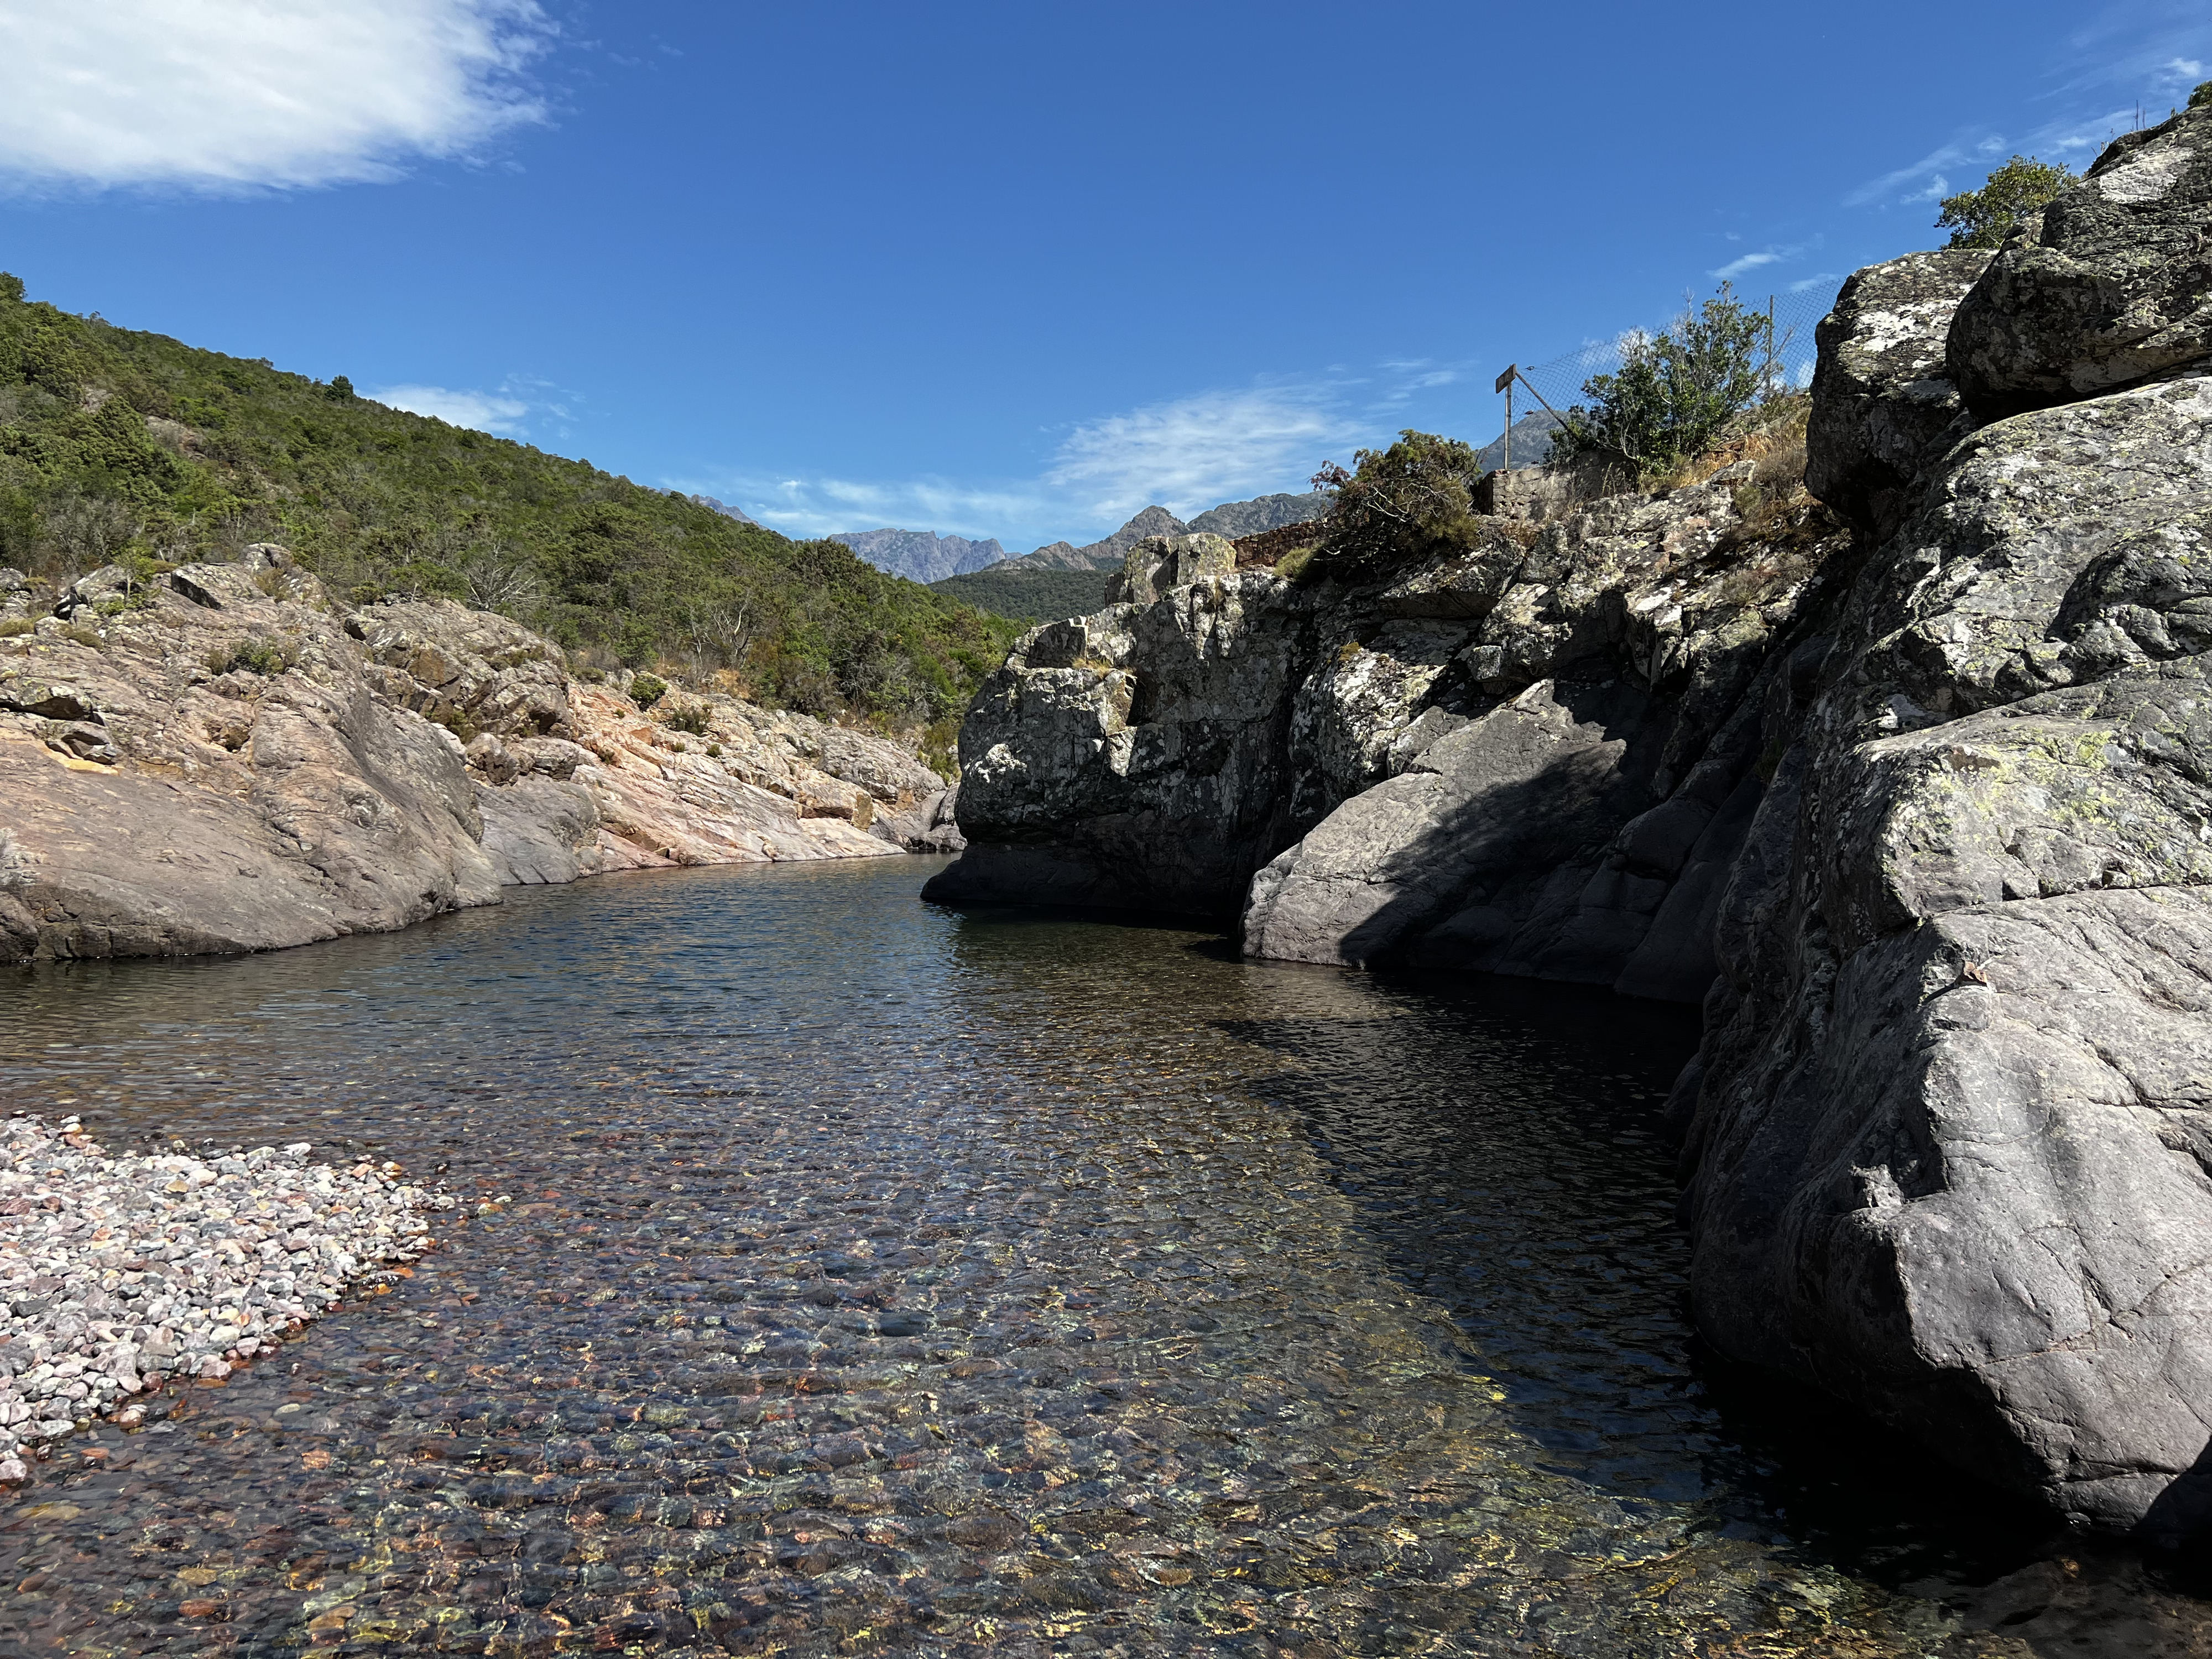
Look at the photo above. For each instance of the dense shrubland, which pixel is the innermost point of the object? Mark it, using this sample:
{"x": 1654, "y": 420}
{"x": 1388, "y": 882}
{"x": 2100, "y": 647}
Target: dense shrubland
{"x": 117, "y": 447}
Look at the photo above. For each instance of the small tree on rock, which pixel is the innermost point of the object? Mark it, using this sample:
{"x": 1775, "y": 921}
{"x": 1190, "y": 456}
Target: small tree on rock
{"x": 1675, "y": 391}
{"x": 1985, "y": 217}
{"x": 1415, "y": 498}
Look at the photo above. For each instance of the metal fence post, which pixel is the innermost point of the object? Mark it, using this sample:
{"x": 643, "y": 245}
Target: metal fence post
{"x": 1506, "y": 384}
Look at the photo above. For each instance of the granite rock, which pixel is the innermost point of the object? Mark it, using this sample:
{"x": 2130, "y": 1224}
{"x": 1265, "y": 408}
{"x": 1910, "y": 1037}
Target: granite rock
{"x": 1947, "y": 1132}
{"x": 226, "y": 760}
{"x": 1884, "y": 409}
{"x": 2111, "y": 286}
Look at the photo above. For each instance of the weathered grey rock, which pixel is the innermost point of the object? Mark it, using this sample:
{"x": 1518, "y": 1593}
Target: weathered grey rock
{"x": 1135, "y": 757}
{"x": 1574, "y": 818}
{"x": 1884, "y": 409}
{"x": 1468, "y": 845}
{"x": 1160, "y": 562}
{"x": 2111, "y": 287}
{"x": 930, "y": 825}
{"x": 1945, "y": 1151}
{"x": 466, "y": 668}
{"x": 537, "y": 830}
{"x": 1159, "y": 753}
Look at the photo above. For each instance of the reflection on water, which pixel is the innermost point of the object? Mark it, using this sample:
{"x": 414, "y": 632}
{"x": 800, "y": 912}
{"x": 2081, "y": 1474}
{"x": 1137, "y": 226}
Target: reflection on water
{"x": 878, "y": 1279}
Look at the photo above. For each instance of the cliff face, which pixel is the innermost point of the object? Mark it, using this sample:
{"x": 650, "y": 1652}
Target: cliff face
{"x": 1948, "y": 1135}
{"x": 223, "y": 760}
{"x": 1922, "y": 809}
{"x": 1535, "y": 754}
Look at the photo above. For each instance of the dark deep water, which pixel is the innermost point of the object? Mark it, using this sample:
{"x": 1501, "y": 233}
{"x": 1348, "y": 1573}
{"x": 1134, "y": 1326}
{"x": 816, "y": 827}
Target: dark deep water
{"x": 877, "y": 1277}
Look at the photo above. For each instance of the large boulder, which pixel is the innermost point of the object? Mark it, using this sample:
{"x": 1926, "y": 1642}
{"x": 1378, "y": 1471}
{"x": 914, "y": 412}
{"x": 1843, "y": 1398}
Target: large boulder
{"x": 2111, "y": 287}
{"x": 1884, "y": 409}
{"x": 1565, "y": 801}
{"x": 1158, "y": 563}
{"x": 1949, "y": 1154}
{"x": 210, "y": 769}
{"x": 1135, "y": 757}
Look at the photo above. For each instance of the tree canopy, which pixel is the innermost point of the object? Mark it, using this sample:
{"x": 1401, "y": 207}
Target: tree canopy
{"x": 1985, "y": 217}
{"x": 1675, "y": 390}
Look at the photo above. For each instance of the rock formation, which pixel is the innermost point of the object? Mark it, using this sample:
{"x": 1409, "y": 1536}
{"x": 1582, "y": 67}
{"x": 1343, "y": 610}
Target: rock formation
{"x": 1921, "y": 808}
{"x": 1535, "y": 754}
{"x": 1948, "y": 1132}
{"x": 221, "y": 759}
{"x": 922, "y": 555}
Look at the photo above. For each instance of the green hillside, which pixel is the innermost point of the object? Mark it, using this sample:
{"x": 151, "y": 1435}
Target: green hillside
{"x": 1031, "y": 595}
{"x": 115, "y": 444}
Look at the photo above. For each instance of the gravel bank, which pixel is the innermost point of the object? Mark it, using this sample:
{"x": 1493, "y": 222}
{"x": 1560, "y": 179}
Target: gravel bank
{"x": 117, "y": 1272}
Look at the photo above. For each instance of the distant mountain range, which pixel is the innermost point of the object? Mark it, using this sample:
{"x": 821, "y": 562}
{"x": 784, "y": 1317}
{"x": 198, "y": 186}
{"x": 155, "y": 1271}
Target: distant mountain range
{"x": 1532, "y": 443}
{"x": 922, "y": 555}
{"x": 1061, "y": 580}
{"x": 738, "y": 514}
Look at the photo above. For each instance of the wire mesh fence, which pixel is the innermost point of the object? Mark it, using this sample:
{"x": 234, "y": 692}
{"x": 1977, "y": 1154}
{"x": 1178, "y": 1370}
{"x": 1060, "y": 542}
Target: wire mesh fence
{"x": 1557, "y": 384}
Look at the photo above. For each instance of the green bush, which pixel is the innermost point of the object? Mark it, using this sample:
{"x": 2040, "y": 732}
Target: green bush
{"x": 1415, "y": 498}
{"x": 647, "y": 689}
{"x": 1985, "y": 217}
{"x": 2202, "y": 96}
{"x": 690, "y": 717}
{"x": 1675, "y": 391}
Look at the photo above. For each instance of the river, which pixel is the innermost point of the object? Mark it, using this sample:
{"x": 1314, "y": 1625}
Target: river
{"x": 840, "y": 1274}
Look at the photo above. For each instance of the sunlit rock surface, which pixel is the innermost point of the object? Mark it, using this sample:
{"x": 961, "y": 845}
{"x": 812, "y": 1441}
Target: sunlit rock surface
{"x": 223, "y": 759}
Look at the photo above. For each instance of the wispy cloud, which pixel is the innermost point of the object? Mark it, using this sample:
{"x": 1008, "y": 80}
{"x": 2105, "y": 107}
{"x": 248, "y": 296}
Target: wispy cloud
{"x": 484, "y": 412}
{"x": 1185, "y": 454}
{"x": 1960, "y": 153}
{"x": 2126, "y": 64}
{"x": 1772, "y": 254}
{"x": 1741, "y": 263}
{"x": 232, "y": 95}
{"x": 1817, "y": 279}
{"x": 1191, "y": 453}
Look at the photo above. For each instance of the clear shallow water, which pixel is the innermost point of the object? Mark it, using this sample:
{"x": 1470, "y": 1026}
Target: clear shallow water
{"x": 879, "y": 1278}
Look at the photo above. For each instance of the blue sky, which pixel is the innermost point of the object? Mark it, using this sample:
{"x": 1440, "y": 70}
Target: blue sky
{"x": 1000, "y": 271}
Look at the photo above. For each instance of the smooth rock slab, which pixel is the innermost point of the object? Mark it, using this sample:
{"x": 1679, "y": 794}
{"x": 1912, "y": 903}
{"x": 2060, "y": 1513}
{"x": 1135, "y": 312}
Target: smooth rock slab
{"x": 1979, "y": 1206}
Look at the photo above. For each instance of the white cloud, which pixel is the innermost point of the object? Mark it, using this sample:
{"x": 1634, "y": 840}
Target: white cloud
{"x": 484, "y": 412}
{"x": 1191, "y": 453}
{"x": 1737, "y": 266}
{"x": 237, "y": 94}
{"x": 1769, "y": 255}
{"x": 1929, "y": 166}
{"x": 1186, "y": 454}
{"x": 1816, "y": 280}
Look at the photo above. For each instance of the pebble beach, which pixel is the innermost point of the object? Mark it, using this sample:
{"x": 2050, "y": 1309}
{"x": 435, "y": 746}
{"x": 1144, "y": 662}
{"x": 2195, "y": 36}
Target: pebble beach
{"x": 117, "y": 1272}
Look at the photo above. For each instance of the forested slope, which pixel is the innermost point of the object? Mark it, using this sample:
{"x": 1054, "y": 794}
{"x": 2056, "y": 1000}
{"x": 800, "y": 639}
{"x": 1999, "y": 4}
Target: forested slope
{"x": 122, "y": 446}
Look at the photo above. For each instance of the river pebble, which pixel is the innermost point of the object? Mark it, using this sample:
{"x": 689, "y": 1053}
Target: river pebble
{"x": 116, "y": 1272}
